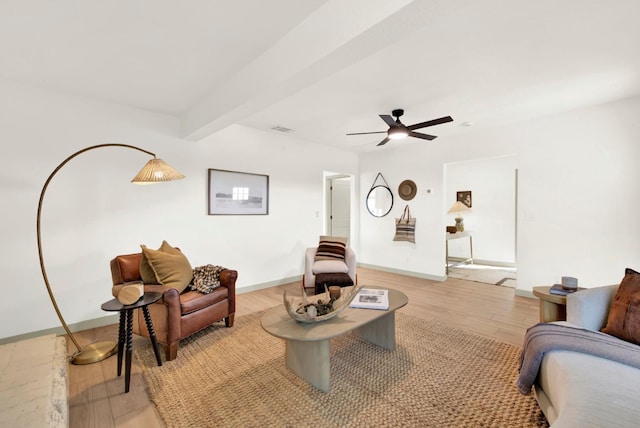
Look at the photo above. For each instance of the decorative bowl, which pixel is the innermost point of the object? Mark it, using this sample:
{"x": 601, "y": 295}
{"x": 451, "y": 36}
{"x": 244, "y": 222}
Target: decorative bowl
{"x": 320, "y": 307}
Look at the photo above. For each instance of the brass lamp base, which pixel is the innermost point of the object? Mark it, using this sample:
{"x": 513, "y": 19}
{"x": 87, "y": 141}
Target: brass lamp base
{"x": 459, "y": 224}
{"x": 95, "y": 352}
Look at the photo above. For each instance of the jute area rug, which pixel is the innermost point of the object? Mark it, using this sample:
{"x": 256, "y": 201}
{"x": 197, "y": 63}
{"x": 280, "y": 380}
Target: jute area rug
{"x": 438, "y": 376}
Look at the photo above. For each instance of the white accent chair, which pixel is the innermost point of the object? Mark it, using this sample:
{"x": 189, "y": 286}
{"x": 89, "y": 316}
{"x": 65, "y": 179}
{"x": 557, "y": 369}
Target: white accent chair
{"x": 312, "y": 267}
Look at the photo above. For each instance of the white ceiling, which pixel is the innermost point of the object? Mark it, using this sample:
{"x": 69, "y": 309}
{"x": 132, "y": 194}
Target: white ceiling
{"x": 328, "y": 67}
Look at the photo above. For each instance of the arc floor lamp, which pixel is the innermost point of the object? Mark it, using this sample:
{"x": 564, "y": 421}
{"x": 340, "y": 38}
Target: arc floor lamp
{"x": 154, "y": 171}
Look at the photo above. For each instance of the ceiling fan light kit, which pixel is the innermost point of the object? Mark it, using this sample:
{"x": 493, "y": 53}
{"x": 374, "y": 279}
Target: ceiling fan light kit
{"x": 397, "y": 130}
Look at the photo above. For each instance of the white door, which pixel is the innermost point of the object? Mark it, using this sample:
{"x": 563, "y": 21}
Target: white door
{"x": 339, "y": 215}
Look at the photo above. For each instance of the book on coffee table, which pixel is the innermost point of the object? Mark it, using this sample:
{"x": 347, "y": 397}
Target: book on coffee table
{"x": 369, "y": 298}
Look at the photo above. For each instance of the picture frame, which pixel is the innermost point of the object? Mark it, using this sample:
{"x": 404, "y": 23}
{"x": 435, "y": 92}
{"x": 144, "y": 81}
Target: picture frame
{"x": 237, "y": 193}
{"x": 464, "y": 197}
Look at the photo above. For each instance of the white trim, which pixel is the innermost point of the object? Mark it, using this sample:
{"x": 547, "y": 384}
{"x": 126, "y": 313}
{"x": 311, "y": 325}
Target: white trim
{"x": 405, "y": 272}
{"x": 59, "y": 331}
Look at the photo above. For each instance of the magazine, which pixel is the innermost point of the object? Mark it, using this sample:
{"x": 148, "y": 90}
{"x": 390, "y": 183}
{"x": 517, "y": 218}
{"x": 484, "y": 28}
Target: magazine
{"x": 368, "y": 298}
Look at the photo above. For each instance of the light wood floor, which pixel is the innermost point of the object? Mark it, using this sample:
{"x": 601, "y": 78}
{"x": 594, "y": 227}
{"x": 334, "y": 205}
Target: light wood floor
{"x": 96, "y": 394}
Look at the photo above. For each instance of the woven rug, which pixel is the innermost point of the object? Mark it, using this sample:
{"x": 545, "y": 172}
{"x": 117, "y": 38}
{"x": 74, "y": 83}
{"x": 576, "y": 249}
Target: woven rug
{"x": 438, "y": 376}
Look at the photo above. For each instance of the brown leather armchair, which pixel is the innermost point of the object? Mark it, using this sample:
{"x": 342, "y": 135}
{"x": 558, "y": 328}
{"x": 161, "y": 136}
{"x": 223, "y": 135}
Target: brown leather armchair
{"x": 177, "y": 315}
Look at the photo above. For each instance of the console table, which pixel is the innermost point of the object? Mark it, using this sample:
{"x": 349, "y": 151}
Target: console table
{"x": 458, "y": 235}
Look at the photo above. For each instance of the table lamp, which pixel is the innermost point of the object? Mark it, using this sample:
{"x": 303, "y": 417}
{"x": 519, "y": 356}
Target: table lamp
{"x": 155, "y": 171}
{"x": 457, "y": 208}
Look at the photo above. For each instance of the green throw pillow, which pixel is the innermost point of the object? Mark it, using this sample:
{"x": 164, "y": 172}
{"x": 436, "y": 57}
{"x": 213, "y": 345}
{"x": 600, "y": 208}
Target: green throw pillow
{"x": 170, "y": 266}
{"x": 147, "y": 274}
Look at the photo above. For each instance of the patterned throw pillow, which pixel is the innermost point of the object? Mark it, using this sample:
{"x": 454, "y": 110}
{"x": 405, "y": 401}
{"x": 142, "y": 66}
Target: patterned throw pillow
{"x": 206, "y": 278}
{"x": 624, "y": 315}
{"x": 331, "y": 248}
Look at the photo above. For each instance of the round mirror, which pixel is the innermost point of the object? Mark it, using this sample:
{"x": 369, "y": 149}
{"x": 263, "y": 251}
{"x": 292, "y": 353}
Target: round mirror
{"x": 379, "y": 201}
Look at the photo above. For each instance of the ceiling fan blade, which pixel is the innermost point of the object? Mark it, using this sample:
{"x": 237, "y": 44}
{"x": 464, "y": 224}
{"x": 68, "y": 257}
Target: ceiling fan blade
{"x": 439, "y": 121}
{"x": 383, "y": 142}
{"x": 388, "y": 119}
{"x": 423, "y": 136}
{"x": 365, "y": 133}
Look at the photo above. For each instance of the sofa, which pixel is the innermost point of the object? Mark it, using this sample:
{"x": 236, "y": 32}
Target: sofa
{"x": 578, "y": 390}
{"x": 177, "y": 315}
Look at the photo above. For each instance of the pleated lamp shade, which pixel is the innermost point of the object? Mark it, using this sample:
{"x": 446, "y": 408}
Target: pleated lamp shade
{"x": 156, "y": 171}
{"x": 458, "y": 207}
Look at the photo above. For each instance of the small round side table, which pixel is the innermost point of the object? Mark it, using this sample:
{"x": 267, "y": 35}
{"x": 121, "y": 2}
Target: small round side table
{"x": 553, "y": 307}
{"x": 125, "y": 333}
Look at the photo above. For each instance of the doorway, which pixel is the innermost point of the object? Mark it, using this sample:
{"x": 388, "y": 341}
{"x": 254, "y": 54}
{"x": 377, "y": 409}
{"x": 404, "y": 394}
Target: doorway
{"x": 492, "y": 184}
{"x": 338, "y": 205}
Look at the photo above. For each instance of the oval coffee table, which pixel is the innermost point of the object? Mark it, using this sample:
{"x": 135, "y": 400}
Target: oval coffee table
{"x": 307, "y": 345}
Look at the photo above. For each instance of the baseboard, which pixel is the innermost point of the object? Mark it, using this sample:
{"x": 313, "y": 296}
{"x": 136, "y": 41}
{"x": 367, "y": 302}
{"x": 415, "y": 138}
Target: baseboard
{"x": 269, "y": 284}
{"x": 525, "y": 293}
{"x": 59, "y": 331}
{"x": 113, "y": 319}
{"x": 484, "y": 262}
{"x": 405, "y": 272}
{"x": 297, "y": 278}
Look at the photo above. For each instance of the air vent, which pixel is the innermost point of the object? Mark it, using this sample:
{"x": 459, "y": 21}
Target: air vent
{"x": 281, "y": 129}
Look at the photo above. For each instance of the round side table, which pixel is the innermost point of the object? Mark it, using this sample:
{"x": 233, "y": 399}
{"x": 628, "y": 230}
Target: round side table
{"x": 125, "y": 331}
{"x": 553, "y": 307}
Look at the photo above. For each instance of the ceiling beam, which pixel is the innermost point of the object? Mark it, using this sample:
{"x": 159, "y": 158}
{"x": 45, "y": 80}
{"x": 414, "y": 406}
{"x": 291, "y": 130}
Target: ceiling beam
{"x": 307, "y": 54}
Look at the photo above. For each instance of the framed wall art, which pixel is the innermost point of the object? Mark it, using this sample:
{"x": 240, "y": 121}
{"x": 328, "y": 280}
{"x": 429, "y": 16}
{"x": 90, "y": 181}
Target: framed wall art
{"x": 464, "y": 197}
{"x": 237, "y": 193}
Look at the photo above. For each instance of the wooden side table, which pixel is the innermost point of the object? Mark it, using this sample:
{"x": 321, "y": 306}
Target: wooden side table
{"x": 125, "y": 333}
{"x": 553, "y": 307}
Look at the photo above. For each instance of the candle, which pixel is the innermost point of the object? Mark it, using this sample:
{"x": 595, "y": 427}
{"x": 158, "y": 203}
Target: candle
{"x": 334, "y": 292}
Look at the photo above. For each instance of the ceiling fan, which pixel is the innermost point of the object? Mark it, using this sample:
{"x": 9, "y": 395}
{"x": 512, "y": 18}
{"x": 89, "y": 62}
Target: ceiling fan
{"x": 399, "y": 130}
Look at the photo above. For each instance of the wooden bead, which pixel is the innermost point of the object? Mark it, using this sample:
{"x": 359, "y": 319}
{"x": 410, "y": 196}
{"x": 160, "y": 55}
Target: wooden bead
{"x": 131, "y": 293}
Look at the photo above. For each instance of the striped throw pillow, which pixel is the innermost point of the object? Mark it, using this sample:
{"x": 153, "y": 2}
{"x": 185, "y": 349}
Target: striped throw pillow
{"x": 331, "y": 248}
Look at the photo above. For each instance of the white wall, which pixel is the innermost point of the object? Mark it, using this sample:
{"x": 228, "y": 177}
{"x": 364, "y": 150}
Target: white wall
{"x": 575, "y": 170}
{"x": 268, "y": 248}
{"x": 492, "y": 218}
{"x": 422, "y": 162}
{"x": 91, "y": 212}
